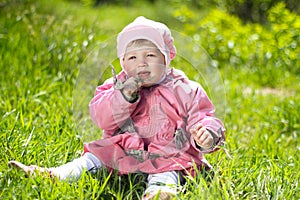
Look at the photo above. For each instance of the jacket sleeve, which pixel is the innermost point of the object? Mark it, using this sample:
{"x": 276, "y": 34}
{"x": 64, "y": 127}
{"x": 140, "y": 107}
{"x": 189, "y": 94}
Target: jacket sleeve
{"x": 108, "y": 108}
{"x": 201, "y": 110}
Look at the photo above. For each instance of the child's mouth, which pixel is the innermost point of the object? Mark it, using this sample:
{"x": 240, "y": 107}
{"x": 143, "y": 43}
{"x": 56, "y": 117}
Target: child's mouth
{"x": 144, "y": 75}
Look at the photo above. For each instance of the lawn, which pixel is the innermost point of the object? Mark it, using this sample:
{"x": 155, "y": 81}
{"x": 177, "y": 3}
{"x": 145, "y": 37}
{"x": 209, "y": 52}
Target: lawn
{"x": 53, "y": 55}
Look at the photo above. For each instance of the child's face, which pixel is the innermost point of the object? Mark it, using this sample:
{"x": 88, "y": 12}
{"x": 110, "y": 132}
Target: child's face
{"x": 144, "y": 61}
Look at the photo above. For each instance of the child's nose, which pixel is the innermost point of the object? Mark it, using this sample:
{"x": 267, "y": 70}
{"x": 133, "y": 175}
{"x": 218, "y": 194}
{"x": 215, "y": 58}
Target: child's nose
{"x": 142, "y": 62}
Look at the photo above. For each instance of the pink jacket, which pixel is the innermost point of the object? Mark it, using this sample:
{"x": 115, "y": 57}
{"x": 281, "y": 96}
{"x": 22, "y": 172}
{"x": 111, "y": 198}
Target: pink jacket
{"x": 152, "y": 135}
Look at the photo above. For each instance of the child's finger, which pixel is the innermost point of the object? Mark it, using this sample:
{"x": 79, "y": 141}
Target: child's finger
{"x": 203, "y": 136}
{"x": 194, "y": 130}
{"x": 199, "y": 134}
{"x": 207, "y": 140}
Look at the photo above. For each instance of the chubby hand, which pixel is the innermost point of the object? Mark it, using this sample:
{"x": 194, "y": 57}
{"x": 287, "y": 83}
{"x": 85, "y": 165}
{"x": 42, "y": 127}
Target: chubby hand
{"x": 202, "y": 136}
{"x": 131, "y": 87}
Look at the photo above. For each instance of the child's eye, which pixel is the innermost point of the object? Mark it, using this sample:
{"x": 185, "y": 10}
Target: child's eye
{"x": 131, "y": 57}
{"x": 150, "y": 55}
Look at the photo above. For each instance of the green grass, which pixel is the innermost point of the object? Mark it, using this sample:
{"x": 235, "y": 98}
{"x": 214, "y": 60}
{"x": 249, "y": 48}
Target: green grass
{"x": 44, "y": 49}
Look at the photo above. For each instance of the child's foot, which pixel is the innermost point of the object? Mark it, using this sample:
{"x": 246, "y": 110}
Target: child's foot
{"x": 158, "y": 196}
{"x": 30, "y": 170}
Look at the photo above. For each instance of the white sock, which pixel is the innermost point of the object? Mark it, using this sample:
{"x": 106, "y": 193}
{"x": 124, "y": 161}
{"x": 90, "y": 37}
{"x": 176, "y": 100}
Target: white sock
{"x": 165, "y": 182}
{"x": 72, "y": 171}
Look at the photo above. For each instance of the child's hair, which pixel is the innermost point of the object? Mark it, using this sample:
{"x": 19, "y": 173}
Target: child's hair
{"x": 140, "y": 42}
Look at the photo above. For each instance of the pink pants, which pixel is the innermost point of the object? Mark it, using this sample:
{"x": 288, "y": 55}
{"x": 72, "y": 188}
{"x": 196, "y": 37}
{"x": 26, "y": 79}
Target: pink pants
{"x": 71, "y": 171}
